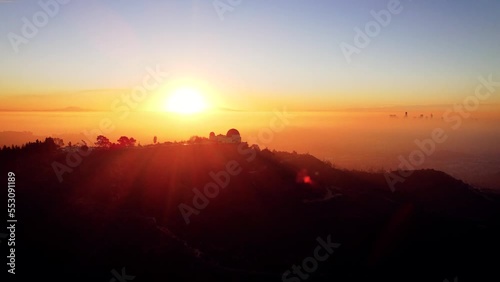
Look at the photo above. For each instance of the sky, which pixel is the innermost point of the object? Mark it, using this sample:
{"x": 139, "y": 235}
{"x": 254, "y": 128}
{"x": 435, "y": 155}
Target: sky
{"x": 256, "y": 56}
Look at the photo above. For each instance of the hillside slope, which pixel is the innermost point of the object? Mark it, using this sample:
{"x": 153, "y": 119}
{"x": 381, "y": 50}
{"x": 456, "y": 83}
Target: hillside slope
{"x": 262, "y": 213}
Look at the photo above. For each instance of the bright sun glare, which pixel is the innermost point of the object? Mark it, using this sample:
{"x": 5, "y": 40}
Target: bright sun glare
{"x": 186, "y": 101}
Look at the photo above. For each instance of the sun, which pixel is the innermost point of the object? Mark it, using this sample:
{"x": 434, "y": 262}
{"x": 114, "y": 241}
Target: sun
{"x": 185, "y": 101}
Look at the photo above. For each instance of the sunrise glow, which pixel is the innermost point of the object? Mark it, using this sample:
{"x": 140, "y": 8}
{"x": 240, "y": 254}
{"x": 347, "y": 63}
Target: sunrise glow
{"x": 185, "y": 101}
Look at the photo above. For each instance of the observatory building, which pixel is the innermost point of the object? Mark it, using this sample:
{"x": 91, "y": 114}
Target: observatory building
{"x": 231, "y": 137}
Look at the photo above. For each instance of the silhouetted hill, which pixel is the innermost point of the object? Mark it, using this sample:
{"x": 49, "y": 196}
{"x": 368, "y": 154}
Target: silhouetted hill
{"x": 121, "y": 208}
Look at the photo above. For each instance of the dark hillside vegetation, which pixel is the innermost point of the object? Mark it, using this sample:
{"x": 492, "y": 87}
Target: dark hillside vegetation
{"x": 120, "y": 208}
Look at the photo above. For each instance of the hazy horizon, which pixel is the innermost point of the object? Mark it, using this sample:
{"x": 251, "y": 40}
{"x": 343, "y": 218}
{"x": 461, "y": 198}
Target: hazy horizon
{"x": 370, "y": 141}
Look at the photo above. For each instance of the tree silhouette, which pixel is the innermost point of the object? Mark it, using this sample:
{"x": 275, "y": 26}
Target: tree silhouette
{"x": 124, "y": 141}
{"x": 155, "y": 139}
{"x": 197, "y": 140}
{"x": 103, "y": 142}
{"x": 49, "y": 146}
{"x": 58, "y": 141}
